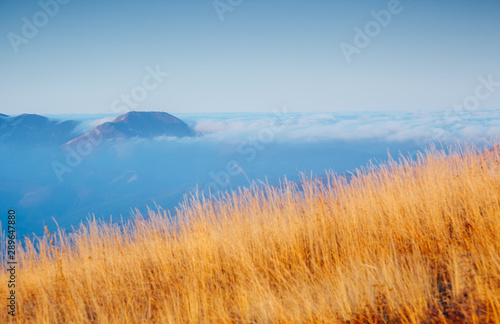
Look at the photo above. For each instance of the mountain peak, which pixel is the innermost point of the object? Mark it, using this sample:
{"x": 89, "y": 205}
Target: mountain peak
{"x": 141, "y": 124}
{"x": 147, "y": 116}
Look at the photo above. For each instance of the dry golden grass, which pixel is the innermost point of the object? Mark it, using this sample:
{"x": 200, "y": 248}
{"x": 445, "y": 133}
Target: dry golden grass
{"x": 414, "y": 241}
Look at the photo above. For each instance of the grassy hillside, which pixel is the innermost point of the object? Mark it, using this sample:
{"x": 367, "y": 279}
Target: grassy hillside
{"x": 414, "y": 241}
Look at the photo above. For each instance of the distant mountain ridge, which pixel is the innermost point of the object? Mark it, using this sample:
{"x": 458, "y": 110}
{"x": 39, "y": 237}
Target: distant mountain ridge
{"x": 32, "y": 129}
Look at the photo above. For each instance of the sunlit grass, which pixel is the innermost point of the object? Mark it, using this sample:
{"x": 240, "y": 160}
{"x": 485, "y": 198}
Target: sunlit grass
{"x": 414, "y": 241}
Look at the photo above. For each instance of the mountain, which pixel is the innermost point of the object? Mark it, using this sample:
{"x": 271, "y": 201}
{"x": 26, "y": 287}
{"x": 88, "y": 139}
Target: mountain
{"x": 34, "y": 130}
{"x": 31, "y": 129}
{"x": 140, "y": 124}
{"x": 150, "y": 124}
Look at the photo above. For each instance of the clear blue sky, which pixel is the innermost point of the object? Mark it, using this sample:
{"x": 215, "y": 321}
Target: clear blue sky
{"x": 263, "y": 55}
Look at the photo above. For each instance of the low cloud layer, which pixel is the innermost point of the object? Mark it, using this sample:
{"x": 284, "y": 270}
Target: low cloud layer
{"x": 425, "y": 127}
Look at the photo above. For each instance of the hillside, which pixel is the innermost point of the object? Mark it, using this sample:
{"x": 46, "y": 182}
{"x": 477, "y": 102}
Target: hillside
{"x": 413, "y": 241}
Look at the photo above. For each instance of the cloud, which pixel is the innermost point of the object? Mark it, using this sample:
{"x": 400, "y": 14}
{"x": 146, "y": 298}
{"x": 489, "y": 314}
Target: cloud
{"x": 387, "y": 127}
{"x": 85, "y": 121}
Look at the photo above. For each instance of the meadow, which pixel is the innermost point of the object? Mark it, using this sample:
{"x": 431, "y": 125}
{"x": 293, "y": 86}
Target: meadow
{"x": 407, "y": 241}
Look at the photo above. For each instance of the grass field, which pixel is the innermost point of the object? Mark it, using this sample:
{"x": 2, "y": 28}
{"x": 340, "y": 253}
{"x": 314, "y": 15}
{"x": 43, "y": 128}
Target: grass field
{"x": 410, "y": 241}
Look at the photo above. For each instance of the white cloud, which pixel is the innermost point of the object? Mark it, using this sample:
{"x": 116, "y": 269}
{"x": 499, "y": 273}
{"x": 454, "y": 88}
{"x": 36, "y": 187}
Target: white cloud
{"x": 388, "y": 127}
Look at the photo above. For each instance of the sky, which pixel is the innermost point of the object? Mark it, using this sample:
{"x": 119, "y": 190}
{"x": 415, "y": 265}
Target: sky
{"x": 107, "y": 57}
